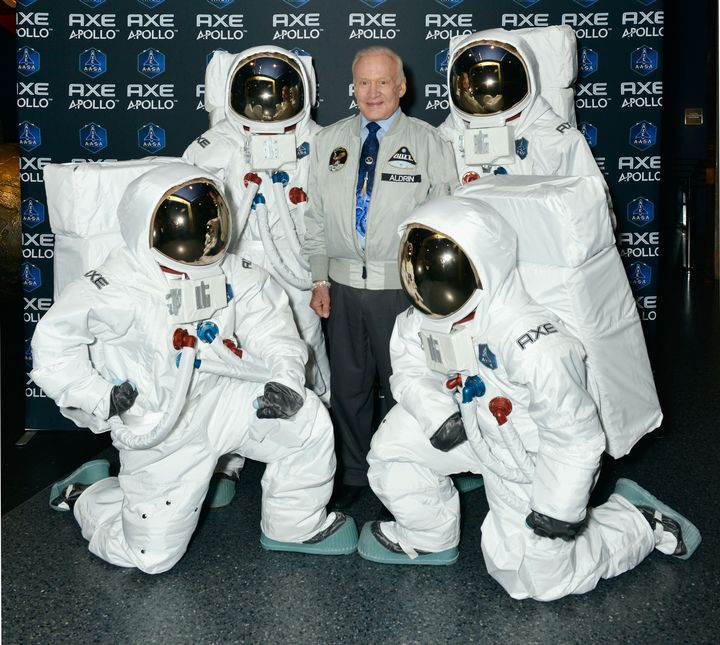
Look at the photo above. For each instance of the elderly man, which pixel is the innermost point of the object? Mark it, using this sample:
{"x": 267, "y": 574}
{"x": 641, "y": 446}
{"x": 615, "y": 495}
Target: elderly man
{"x": 385, "y": 164}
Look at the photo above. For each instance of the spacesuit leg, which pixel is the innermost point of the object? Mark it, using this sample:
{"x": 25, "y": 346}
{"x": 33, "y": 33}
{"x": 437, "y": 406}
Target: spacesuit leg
{"x": 410, "y": 478}
{"x": 146, "y": 516}
{"x": 616, "y": 539}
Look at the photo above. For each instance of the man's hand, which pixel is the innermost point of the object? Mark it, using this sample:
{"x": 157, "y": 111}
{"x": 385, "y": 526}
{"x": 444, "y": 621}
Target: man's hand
{"x": 277, "y": 402}
{"x": 320, "y": 301}
{"x": 122, "y": 398}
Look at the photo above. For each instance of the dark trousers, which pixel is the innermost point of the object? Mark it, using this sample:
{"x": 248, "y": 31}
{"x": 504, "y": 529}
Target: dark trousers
{"x": 358, "y": 333}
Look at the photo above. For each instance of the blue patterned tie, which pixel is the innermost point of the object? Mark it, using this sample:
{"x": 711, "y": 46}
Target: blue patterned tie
{"x": 366, "y": 176}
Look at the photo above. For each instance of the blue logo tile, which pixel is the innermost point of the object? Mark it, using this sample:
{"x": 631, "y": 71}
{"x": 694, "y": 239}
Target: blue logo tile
{"x": 644, "y": 60}
{"x": 32, "y": 212}
{"x": 441, "y": 62}
{"x": 151, "y": 138}
{"x": 639, "y": 275}
{"x": 589, "y": 131}
{"x": 151, "y": 62}
{"x": 640, "y": 211}
{"x": 588, "y": 61}
{"x": 29, "y": 136}
{"x": 30, "y": 277}
{"x": 28, "y": 61}
{"x": 93, "y": 137}
{"x": 93, "y": 62}
{"x": 643, "y": 135}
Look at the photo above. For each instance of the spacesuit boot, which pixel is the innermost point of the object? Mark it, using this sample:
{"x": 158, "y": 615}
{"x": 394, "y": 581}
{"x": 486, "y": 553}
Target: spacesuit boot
{"x": 65, "y": 492}
{"x": 224, "y": 481}
{"x": 375, "y": 545}
{"x": 338, "y": 537}
{"x": 674, "y": 534}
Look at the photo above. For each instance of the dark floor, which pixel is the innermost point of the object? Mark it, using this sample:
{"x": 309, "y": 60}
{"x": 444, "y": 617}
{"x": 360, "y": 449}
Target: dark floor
{"x": 227, "y": 589}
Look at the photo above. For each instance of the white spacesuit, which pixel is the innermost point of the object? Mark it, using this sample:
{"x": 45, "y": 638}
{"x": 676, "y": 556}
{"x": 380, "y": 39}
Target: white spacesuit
{"x": 499, "y": 122}
{"x": 488, "y": 381}
{"x": 146, "y": 346}
{"x": 260, "y": 139}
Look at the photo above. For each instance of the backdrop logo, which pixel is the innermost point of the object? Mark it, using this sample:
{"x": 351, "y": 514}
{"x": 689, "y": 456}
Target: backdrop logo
{"x": 27, "y": 3}
{"x": 589, "y": 131}
{"x": 647, "y": 3}
{"x": 300, "y": 52}
{"x": 643, "y": 135}
{"x": 441, "y": 62}
{"x": 449, "y": 4}
{"x": 588, "y": 63}
{"x": 30, "y": 277}
{"x": 151, "y": 138}
{"x": 526, "y": 3}
{"x": 29, "y": 136}
{"x": 151, "y": 4}
{"x": 28, "y": 61}
{"x": 92, "y": 3}
{"x": 28, "y": 351}
{"x": 32, "y": 212}
{"x": 93, "y": 137}
{"x": 644, "y": 60}
{"x": 93, "y": 62}
{"x": 640, "y": 211}
{"x": 373, "y": 3}
{"x": 585, "y": 3}
{"x": 151, "y": 63}
{"x": 296, "y": 4}
{"x": 221, "y": 4}
{"x": 639, "y": 275}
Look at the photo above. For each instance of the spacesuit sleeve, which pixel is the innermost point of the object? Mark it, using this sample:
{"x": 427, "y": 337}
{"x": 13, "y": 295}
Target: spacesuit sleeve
{"x": 314, "y": 244}
{"x": 570, "y": 437}
{"x": 417, "y": 388}
{"x": 265, "y": 327}
{"x": 444, "y": 175}
{"x": 61, "y": 361}
{"x": 210, "y": 152}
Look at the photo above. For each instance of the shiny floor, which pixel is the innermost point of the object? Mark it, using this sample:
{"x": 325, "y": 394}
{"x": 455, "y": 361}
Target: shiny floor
{"x": 228, "y": 590}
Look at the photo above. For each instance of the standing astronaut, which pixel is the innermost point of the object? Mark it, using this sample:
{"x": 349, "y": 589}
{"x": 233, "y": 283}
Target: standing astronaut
{"x": 145, "y": 346}
{"x": 260, "y": 102}
{"x": 520, "y": 414}
{"x": 499, "y": 122}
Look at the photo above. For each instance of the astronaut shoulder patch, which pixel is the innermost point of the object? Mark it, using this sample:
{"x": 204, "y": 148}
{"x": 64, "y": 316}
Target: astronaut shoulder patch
{"x": 402, "y": 158}
{"x": 521, "y": 148}
{"x": 338, "y": 158}
{"x": 563, "y": 127}
{"x": 533, "y": 335}
{"x": 303, "y": 150}
{"x": 96, "y": 278}
{"x": 486, "y": 356}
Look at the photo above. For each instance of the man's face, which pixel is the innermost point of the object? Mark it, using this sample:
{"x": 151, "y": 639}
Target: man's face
{"x": 377, "y": 87}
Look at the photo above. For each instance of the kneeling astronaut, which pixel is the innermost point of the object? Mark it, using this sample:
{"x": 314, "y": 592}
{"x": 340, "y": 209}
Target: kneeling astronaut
{"x": 146, "y": 346}
{"x": 520, "y": 414}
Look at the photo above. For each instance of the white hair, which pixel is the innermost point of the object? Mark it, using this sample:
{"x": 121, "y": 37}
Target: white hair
{"x": 376, "y": 50}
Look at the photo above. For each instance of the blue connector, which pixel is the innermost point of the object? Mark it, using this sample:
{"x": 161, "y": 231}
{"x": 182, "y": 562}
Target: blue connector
{"x": 207, "y": 331}
{"x": 474, "y": 387}
{"x": 280, "y": 177}
{"x": 259, "y": 199}
{"x": 196, "y": 364}
{"x": 229, "y": 292}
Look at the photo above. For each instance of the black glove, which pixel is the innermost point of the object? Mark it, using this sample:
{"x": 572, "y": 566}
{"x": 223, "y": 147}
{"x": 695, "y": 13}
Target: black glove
{"x": 549, "y": 527}
{"x": 450, "y": 434}
{"x": 278, "y": 402}
{"x": 122, "y": 398}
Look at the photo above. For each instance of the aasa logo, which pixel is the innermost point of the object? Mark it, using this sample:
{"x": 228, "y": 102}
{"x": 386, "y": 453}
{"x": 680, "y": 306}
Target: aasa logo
{"x": 643, "y": 135}
{"x": 28, "y": 61}
{"x": 151, "y": 138}
{"x": 92, "y": 3}
{"x": 589, "y": 131}
{"x": 640, "y": 211}
{"x": 27, "y": 3}
{"x": 32, "y": 212}
{"x": 296, "y": 3}
{"x": 449, "y": 4}
{"x": 29, "y": 136}
{"x": 588, "y": 62}
{"x": 586, "y": 3}
{"x": 151, "y": 4}
{"x": 30, "y": 277}
{"x": 93, "y": 137}
{"x": 28, "y": 351}
{"x": 526, "y": 3}
{"x": 639, "y": 275}
{"x": 151, "y": 62}
{"x": 93, "y": 62}
{"x": 373, "y": 3}
{"x": 300, "y": 52}
{"x": 644, "y": 60}
{"x": 221, "y": 4}
{"x": 441, "y": 62}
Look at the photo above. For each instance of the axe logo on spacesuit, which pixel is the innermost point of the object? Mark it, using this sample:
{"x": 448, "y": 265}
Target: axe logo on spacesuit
{"x": 530, "y": 336}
